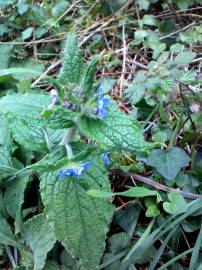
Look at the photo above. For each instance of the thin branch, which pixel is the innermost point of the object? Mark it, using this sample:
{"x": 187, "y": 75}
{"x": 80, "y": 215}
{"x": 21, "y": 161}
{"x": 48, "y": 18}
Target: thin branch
{"x": 178, "y": 31}
{"x": 159, "y": 186}
{"x": 124, "y": 60}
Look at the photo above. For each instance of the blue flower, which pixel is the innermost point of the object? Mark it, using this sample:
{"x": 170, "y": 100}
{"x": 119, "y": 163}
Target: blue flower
{"x": 105, "y": 159}
{"x": 77, "y": 172}
{"x": 102, "y": 104}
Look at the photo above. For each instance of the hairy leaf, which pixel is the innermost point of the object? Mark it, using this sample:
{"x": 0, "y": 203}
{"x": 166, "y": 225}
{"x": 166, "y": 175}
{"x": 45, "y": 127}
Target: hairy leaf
{"x": 80, "y": 221}
{"x": 87, "y": 84}
{"x": 14, "y": 198}
{"x": 72, "y": 65}
{"x": 6, "y": 235}
{"x": 39, "y": 235}
{"x": 116, "y": 131}
{"x": 25, "y": 106}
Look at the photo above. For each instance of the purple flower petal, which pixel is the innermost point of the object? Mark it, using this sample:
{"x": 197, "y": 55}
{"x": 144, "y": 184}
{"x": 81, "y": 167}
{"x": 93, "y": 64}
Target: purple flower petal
{"x": 54, "y": 96}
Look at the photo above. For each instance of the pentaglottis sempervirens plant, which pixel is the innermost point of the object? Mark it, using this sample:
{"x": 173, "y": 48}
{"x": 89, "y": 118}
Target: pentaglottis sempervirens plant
{"x": 74, "y": 129}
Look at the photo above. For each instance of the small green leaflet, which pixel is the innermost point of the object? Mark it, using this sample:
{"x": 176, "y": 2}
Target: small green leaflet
{"x": 116, "y": 131}
{"x": 135, "y": 192}
{"x": 176, "y": 204}
{"x": 184, "y": 58}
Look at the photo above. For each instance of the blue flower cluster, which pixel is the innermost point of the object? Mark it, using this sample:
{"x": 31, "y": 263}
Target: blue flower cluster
{"x": 101, "y": 109}
{"x": 77, "y": 172}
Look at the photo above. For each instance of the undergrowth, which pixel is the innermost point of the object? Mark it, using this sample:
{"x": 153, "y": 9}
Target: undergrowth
{"x": 100, "y": 135}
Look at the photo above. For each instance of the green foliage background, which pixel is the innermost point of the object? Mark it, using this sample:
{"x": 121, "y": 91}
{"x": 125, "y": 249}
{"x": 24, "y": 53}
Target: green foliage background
{"x": 143, "y": 211}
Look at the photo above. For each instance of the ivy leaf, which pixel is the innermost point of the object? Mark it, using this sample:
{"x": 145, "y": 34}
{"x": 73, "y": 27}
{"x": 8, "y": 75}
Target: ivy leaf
{"x": 40, "y": 237}
{"x": 80, "y": 221}
{"x": 116, "y": 131}
{"x": 72, "y": 65}
{"x": 176, "y": 204}
{"x": 184, "y": 58}
{"x": 168, "y": 163}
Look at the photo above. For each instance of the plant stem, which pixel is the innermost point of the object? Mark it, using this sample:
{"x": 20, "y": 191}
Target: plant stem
{"x": 159, "y": 186}
{"x": 8, "y": 251}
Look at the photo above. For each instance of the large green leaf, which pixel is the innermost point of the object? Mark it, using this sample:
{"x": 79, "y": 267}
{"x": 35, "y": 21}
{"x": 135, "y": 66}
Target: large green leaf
{"x": 14, "y": 198}
{"x": 25, "y": 106}
{"x": 34, "y": 137}
{"x": 6, "y": 235}
{"x": 35, "y": 68}
{"x": 6, "y": 166}
{"x": 168, "y": 163}
{"x": 39, "y": 235}
{"x": 5, "y": 134}
{"x": 116, "y": 131}
{"x": 72, "y": 65}
{"x": 27, "y": 123}
{"x": 80, "y": 221}
{"x": 28, "y": 134}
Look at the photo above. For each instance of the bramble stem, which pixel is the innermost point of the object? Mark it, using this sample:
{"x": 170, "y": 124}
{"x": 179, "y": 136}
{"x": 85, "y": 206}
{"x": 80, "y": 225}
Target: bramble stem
{"x": 159, "y": 186}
